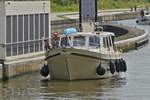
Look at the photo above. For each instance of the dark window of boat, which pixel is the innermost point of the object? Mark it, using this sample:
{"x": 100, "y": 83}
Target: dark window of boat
{"x": 79, "y": 41}
{"x": 94, "y": 41}
{"x": 64, "y": 42}
{"x": 113, "y": 40}
{"x": 106, "y": 42}
{"x": 110, "y": 41}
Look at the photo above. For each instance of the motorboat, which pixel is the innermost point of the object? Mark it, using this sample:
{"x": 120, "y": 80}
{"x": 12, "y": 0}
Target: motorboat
{"x": 85, "y": 55}
{"x": 144, "y": 19}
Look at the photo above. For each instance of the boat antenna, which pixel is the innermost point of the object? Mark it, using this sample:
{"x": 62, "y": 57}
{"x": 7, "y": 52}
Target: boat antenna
{"x": 100, "y": 48}
{"x": 98, "y": 26}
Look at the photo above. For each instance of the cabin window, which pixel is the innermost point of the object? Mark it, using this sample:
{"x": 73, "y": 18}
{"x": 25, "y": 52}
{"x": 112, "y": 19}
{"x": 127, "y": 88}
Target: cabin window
{"x": 64, "y": 42}
{"x": 110, "y": 41}
{"x": 79, "y": 41}
{"x": 106, "y": 42}
{"x": 113, "y": 40}
{"x": 94, "y": 41}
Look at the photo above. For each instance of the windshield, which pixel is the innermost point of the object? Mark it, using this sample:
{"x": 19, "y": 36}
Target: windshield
{"x": 79, "y": 41}
{"x": 64, "y": 42}
{"x": 108, "y": 41}
{"x": 94, "y": 41}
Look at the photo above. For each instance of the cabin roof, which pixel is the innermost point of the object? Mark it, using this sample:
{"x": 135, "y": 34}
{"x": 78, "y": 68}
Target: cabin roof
{"x": 102, "y": 33}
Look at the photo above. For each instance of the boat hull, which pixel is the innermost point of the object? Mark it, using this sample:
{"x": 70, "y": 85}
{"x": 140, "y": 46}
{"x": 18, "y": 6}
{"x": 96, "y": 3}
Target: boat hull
{"x": 73, "y": 64}
{"x": 139, "y": 22}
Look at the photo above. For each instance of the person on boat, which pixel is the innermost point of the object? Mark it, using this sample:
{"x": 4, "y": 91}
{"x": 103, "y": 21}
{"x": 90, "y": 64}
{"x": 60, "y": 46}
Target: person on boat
{"x": 55, "y": 39}
{"x": 65, "y": 42}
{"x": 46, "y": 45}
{"x": 142, "y": 13}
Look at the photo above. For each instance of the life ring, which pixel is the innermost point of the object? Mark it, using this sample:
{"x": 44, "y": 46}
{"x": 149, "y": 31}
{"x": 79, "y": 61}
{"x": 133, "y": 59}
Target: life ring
{"x": 100, "y": 70}
{"x": 44, "y": 70}
{"x": 112, "y": 67}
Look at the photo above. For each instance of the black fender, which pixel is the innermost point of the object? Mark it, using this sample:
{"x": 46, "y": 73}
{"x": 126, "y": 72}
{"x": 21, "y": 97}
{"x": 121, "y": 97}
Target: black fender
{"x": 124, "y": 65}
{"x": 112, "y": 67}
{"x": 100, "y": 70}
{"x": 121, "y": 65}
{"x": 44, "y": 70}
{"x": 117, "y": 63}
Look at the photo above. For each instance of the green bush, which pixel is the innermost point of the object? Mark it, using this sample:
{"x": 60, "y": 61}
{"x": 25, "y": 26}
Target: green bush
{"x": 73, "y": 5}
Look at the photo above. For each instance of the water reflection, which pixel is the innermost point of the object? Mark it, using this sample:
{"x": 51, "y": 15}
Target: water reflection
{"x": 85, "y": 89}
{"x": 29, "y": 87}
{"x": 20, "y": 88}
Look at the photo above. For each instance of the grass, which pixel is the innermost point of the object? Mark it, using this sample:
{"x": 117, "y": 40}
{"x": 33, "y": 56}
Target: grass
{"x": 58, "y": 8}
{"x": 102, "y": 5}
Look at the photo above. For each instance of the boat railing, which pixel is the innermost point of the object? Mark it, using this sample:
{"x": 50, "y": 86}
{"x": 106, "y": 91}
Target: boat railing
{"x": 98, "y": 26}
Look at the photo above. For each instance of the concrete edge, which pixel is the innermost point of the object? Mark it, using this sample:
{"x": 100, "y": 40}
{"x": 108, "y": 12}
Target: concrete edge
{"x": 135, "y": 39}
{"x": 133, "y": 43}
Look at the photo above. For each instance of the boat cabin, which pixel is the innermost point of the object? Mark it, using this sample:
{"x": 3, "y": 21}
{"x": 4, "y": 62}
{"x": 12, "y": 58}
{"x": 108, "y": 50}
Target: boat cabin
{"x": 88, "y": 40}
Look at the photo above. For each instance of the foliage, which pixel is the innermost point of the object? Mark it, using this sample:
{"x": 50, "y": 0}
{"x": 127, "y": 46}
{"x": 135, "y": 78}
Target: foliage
{"x": 73, "y": 5}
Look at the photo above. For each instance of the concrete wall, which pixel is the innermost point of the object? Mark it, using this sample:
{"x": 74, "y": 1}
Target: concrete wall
{"x": 49, "y": 22}
{"x": 122, "y": 16}
{"x": 0, "y": 71}
{"x": 23, "y": 67}
{"x": 24, "y": 63}
{"x": 2, "y": 30}
{"x": 60, "y": 25}
{"x": 27, "y": 7}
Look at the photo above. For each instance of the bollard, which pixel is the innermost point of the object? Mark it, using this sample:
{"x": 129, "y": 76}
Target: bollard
{"x": 5, "y": 72}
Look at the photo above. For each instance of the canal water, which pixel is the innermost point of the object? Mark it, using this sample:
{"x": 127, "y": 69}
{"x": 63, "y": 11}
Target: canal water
{"x": 135, "y": 85}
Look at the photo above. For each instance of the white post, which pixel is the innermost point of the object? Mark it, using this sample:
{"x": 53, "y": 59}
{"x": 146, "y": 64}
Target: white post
{"x": 43, "y": 43}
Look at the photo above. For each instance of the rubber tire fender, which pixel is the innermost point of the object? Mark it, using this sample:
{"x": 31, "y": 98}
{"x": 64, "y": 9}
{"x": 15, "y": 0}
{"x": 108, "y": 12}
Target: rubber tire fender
{"x": 112, "y": 67}
{"x": 100, "y": 70}
{"x": 44, "y": 70}
{"x": 117, "y": 66}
